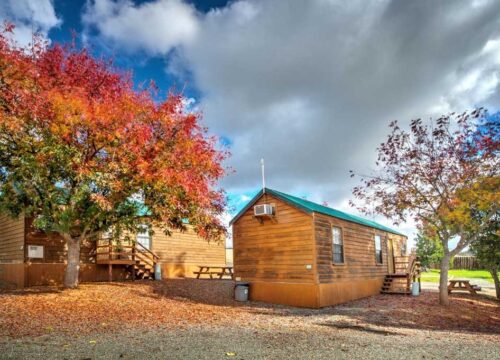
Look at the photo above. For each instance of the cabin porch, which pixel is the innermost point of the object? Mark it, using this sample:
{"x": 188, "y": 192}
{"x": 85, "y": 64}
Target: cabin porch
{"x": 407, "y": 270}
{"x": 137, "y": 260}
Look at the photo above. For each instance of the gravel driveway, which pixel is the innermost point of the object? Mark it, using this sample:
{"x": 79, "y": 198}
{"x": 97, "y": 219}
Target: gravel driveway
{"x": 249, "y": 343}
{"x": 196, "y": 319}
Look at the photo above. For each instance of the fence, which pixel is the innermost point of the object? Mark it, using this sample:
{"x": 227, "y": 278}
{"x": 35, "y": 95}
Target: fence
{"x": 462, "y": 263}
{"x": 465, "y": 262}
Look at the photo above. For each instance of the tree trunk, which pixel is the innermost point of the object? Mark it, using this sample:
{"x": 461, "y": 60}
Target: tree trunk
{"x": 494, "y": 273}
{"x": 73, "y": 266}
{"x": 443, "y": 280}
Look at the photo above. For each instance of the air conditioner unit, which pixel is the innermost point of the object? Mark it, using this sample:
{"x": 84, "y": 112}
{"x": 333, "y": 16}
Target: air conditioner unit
{"x": 263, "y": 210}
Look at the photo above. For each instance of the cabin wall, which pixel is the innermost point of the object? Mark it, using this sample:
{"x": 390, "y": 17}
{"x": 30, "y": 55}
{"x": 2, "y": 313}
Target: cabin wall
{"x": 360, "y": 275}
{"x": 275, "y": 255}
{"x": 182, "y": 252}
{"x": 50, "y": 269}
{"x": 11, "y": 252}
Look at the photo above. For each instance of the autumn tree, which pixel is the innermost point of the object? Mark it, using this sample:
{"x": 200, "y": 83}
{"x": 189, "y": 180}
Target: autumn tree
{"x": 82, "y": 151}
{"x": 445, "y": 175}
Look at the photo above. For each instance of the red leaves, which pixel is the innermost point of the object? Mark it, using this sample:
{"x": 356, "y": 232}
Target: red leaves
{"x": 421, "y": 171}
{"x": 118, "y": 141}
{"x": 113, "y": 307}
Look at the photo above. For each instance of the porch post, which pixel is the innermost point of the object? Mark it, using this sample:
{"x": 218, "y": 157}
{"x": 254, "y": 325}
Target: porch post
{"x": 133, "y": 262}
{"x": 110, "y": 265}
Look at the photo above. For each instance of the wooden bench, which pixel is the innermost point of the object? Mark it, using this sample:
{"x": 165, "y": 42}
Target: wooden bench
{"x": 461, "y": 285}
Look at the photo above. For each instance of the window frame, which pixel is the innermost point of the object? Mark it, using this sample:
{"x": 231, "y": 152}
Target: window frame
{"x": 341, "y": 232}
{"x": 376, "y": 251}
{"x": 404, "y": 248}
{"x": 143, "y": 235}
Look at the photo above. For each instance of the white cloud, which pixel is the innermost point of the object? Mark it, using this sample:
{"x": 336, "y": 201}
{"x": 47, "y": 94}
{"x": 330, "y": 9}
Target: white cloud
{"x": 311, "y": 85}
{"x": 29, "y": 16}
{"x": 154, "y": 27}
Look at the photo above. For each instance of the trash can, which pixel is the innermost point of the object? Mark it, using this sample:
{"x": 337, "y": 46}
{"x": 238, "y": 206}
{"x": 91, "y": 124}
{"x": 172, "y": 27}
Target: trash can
{"x": 241, "y": 291}
{"x": 415, "y": 289}
{"x": 157, "y": 272}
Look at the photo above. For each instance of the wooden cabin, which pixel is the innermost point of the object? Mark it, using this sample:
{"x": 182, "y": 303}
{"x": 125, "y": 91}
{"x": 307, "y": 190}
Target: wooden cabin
{"x": 296, "y": 252}
{"x": 29, "y": 257}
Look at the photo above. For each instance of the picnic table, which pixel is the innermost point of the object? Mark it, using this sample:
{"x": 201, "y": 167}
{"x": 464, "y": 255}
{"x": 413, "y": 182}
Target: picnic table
{"x": 461, "y": 284}
{"x": 218, "y": 271}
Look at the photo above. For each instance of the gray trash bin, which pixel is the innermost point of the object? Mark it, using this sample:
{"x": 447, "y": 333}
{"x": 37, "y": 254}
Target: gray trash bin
{"x": 157, "y": 272}
{"x": 415, "y": 288}
{"x": 241, "y": 291}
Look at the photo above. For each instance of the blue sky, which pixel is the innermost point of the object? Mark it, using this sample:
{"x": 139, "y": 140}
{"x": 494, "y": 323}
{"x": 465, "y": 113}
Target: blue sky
{"x": 308, "y": 85}
{"x": 144, "y": 68}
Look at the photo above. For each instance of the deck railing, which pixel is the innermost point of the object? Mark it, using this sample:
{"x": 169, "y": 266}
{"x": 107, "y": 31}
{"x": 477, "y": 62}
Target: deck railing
{"x": 123, "y": 251}
{"x": 413, "y": 270}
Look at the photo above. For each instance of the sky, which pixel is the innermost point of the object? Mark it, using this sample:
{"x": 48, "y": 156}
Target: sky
{"x": 310, "y": 86}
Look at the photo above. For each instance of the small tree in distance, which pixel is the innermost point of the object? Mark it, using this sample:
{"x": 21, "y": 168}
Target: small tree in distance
{"x": 445, "y": 177}
{"x": 78, "y": 143}
{"x": 486, "y": 248}
{"x": 429, "y": 250}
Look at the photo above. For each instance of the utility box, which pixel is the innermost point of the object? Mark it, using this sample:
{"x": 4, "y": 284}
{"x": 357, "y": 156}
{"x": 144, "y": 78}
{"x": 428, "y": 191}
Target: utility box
{"x": 241, "y": 291}
{"x": 35, "y": 251}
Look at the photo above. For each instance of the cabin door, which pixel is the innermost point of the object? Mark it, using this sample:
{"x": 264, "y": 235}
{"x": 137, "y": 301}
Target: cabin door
{"x": 390, "y": 256}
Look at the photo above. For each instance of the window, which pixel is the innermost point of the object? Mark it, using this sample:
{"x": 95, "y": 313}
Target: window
{"x": 378, "y": 249}
{"x": 143, "y": 238}
{"x": 403, "y": 249}
{"x": 337, "y": 246}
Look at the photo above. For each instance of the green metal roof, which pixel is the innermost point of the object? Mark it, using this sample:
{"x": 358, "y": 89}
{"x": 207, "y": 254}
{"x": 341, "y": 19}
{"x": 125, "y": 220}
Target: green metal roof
{"x": 309, "y": 206}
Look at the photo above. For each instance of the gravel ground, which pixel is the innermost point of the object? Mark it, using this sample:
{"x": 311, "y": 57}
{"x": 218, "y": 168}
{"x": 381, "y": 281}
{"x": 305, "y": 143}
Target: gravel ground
{"x": 190, "y": 319}
{"x": 248, "y": 343}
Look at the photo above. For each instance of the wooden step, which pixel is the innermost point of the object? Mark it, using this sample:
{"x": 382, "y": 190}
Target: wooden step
{"x": 396, "y": 292}
{"x": 400, "y": 275}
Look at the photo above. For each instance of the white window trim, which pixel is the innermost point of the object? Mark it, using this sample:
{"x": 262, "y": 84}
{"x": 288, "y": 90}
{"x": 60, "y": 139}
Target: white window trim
{"x": 341, "y": 230}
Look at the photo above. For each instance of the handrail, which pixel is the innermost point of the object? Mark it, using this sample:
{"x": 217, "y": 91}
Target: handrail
{"x": 143, "y": 257}
{"x": 411, "y": 261}
{"x": 147, "y": 250}
{"x": 110, "y": 251}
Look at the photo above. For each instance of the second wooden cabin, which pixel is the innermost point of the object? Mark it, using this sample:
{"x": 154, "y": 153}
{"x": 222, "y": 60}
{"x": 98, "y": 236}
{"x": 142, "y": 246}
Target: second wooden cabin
{"x": 29, "y": 257}
{"x": 296, "y": 252}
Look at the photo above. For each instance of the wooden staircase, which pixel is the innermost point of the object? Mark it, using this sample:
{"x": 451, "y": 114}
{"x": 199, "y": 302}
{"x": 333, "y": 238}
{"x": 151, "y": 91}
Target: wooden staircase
{"x": 139, "y": 261}
{"x": 407, "y": 271}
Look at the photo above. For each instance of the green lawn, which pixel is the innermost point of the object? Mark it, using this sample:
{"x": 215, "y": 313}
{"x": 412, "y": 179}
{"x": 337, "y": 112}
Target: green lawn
{"x": 433, "y": 275}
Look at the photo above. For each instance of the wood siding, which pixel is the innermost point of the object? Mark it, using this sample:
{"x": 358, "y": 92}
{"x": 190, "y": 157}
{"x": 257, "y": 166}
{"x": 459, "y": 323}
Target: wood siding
{"x": 11, "y": 239}
{"x": 54, "y": 246}
{"x": 275, "y": 249}
{"x": 359, "y": 250}
{"x": 182, "y": 252}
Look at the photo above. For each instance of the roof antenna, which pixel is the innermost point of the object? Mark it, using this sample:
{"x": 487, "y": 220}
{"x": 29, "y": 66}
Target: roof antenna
{"x": 263, "y": 176}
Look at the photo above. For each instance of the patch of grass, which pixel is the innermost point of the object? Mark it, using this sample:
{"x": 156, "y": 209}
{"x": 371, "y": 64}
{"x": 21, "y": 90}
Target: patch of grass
{"x": 433, "y": 275}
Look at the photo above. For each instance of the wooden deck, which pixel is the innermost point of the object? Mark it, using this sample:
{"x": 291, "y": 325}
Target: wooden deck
{"x": 139, "y": 261}
{"x": 408, "y": 271}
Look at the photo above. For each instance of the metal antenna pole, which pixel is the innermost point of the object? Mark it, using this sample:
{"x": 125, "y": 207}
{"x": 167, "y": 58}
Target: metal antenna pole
{"x": 263, "y": 175}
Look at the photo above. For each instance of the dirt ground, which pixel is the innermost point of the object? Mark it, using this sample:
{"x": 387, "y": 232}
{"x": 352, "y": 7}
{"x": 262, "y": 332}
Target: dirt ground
{"x": 197, "y": 319}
